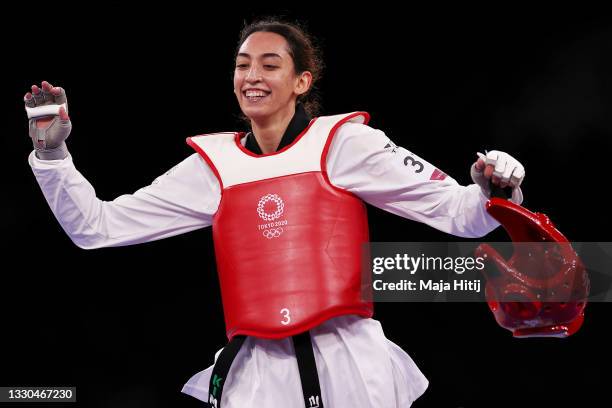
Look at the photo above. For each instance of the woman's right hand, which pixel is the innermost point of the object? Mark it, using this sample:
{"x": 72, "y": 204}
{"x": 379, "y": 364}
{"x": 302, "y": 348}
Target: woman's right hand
{"x": 49, "y": 133}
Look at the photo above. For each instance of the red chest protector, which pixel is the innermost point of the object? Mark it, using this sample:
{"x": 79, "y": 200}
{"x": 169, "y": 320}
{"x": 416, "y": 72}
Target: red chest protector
{"x": 288, "y": 244}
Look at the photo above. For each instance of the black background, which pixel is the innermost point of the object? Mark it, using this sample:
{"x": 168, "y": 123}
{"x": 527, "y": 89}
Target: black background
{"x": 128, "y": 326}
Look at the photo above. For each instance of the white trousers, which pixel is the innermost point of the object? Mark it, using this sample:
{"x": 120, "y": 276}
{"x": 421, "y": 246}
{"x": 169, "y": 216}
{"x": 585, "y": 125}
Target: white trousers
{"x": 358, "y": 367}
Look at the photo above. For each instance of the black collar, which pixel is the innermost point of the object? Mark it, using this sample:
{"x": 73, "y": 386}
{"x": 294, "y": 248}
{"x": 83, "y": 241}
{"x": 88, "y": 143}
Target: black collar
{"x": 298, "y": 123}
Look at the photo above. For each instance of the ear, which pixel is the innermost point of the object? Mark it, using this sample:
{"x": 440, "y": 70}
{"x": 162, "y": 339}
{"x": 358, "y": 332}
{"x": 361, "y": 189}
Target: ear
{"x": 303, "y": 83}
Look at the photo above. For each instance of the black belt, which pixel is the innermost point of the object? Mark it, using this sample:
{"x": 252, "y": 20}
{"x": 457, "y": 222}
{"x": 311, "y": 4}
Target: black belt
{"x": 306, "y": 365}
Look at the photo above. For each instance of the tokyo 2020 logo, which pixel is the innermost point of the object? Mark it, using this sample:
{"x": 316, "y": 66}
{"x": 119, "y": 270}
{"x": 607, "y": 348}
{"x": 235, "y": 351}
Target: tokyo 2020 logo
{"x": 270, "y": 208}
{"x": 270, "y": 216}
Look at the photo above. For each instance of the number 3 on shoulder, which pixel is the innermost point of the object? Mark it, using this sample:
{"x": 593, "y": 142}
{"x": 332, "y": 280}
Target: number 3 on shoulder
{"x": 413, "y": 163}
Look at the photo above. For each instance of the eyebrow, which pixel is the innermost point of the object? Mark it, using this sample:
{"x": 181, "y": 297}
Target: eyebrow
{"x": 267, "y": 55}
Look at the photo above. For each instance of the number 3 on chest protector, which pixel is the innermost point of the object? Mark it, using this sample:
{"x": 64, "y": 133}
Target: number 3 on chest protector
{"x": 286, "y": 318}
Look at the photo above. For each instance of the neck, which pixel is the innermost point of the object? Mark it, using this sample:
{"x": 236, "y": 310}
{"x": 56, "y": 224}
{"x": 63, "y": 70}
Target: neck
{"x": 269, "y": 131}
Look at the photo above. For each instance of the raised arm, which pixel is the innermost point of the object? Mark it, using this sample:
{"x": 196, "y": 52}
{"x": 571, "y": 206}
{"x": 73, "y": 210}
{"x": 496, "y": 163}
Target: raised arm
{"x": 181, "y": 200}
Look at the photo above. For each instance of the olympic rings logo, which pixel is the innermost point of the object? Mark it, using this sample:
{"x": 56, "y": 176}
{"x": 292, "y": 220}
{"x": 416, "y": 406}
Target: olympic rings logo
{"x": 280, "y": 205}
{"x": 272, "y": 233}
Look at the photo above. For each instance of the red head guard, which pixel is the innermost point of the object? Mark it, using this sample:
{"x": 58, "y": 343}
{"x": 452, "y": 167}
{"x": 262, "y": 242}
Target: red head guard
{"x": 541, "y": 290}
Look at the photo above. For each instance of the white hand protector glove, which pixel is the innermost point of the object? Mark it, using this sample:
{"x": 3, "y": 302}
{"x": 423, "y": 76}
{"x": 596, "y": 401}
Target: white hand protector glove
{"x": 47, "y": 110}
{"x": 500, "y": 169}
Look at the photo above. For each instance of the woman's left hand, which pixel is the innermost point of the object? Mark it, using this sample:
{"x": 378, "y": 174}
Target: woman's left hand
{"x": 502, "y": 170}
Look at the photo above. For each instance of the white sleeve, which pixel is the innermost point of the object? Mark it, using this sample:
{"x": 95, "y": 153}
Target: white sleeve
{"x": 365, "y": 162}
{"x": 181, "y": 200}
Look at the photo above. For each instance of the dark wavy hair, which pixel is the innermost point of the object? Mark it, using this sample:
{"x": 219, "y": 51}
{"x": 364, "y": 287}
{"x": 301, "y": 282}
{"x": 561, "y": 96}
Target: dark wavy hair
{"x": 305, "y": 54}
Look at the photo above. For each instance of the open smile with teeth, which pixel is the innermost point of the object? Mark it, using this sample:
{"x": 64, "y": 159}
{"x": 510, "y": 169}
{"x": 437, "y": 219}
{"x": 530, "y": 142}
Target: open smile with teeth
{"x": 255, "y": 95}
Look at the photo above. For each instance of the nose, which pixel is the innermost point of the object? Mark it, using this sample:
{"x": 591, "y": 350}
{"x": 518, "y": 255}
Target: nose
{"x": 254, "y": 74}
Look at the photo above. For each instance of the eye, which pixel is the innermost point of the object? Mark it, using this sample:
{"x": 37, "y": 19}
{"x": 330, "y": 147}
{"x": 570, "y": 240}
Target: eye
{"x": 241, "y": 66}
{"x": 270, "y": 66}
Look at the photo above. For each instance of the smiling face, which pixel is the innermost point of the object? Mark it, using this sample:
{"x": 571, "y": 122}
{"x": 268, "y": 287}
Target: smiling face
{"x": 265, "y": 82}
